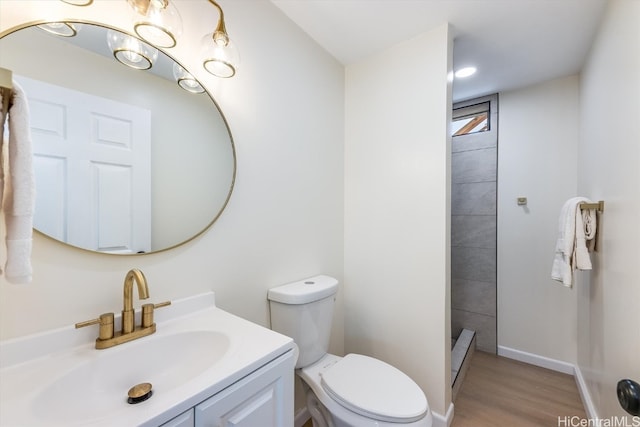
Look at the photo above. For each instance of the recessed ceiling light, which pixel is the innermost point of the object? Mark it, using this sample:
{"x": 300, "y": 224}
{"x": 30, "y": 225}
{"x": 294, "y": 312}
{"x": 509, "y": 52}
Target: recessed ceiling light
{"x": 465, "y": 72}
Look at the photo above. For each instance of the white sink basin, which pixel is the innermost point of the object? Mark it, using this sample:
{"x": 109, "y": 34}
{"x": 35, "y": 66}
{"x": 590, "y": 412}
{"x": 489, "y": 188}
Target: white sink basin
{"x": 101, "y": 384}
{"x": 58, "y": 378}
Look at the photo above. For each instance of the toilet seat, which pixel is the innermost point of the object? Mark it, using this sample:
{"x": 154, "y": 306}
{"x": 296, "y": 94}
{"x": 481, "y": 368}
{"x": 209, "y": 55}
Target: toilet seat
{"x": 374, "y": 389}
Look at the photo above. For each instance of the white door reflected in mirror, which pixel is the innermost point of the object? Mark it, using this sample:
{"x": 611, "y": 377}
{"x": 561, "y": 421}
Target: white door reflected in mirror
{"x": 92, "y": 155}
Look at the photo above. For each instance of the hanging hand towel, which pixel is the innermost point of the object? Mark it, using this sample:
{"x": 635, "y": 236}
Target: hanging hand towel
{"x": 571, "y": 251}
{"x": 18, "y": 192}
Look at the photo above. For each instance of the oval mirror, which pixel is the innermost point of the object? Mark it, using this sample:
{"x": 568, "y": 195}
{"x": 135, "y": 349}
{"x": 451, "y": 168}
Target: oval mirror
{"x": 126, "y": 160}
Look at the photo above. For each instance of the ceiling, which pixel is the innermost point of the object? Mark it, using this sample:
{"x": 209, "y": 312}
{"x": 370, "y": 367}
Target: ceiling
{"x": 513, "y": 43}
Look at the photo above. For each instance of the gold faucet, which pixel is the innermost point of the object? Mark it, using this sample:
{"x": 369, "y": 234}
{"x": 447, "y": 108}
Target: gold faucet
{"x": 106, "y": 337}
{"x": 128, "y": 315}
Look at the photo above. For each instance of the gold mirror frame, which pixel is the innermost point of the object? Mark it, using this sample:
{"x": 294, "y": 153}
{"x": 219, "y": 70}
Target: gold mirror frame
{"x": 233, "y": 167}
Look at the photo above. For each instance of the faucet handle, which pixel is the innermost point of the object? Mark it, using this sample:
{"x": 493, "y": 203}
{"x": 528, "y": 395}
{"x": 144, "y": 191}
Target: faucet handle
{"x": 147, "y": 312}
{"x": 106, "y": 325}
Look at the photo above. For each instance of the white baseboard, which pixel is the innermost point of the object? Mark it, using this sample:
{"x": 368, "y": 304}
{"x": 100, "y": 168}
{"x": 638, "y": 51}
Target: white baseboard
{"x": 301, "y": 417}
{"x": 443, "y": 420}
{"x": 589, "y": 407}
{"x": 537, "y": 360}
{"x": 559, "y": 366}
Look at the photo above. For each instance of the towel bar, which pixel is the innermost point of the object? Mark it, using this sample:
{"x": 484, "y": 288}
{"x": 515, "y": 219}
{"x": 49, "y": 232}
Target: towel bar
{"x": 598, "y": 206}
{"x": 6, "y": 78}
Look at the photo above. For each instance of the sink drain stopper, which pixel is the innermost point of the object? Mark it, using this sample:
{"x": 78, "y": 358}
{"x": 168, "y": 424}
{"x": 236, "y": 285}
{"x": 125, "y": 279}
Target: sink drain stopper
{"x": 139, "y": 393}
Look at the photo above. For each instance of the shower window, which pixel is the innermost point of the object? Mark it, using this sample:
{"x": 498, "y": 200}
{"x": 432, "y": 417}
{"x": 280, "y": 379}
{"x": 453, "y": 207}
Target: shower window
{"x": 470, "y": 119}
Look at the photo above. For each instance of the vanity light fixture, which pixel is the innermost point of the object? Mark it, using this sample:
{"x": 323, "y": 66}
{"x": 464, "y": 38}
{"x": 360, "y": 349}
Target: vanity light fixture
{"x": 185, "y": 80}
{"x": 157, "y": 22}
{"x": 221, "y": 56}
{"x": 64, "y": 29}
{"x": 131, "y": 51}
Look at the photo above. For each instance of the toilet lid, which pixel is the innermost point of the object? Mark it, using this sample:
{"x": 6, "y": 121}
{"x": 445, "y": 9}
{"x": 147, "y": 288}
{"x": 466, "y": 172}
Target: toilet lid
{"x": 375, "y": 389}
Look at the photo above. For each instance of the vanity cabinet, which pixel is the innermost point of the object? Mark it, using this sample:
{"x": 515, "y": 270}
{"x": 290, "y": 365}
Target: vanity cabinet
{"x": 263, "y": 398}
{"x": 208, "y": 368}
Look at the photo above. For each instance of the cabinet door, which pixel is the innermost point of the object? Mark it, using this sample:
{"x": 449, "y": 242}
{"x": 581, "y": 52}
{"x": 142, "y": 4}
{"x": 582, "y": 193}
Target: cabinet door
{"x": 186, "y": 419}
{"x": 264, "y": 398}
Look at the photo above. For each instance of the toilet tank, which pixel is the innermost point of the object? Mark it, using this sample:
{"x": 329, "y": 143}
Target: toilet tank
{"x": 304, "y": 311}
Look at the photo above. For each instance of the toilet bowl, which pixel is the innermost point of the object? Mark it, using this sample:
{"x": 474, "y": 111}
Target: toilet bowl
{"x": 350, "y": 391}
{"x": 357, "y": 390}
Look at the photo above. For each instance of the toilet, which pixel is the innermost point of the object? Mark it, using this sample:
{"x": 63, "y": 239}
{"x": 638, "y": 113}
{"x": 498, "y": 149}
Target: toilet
{"x": 350, "y": 391}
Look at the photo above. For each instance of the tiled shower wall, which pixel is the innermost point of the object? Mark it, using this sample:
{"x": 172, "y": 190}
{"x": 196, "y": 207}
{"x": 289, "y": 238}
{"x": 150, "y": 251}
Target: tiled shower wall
{"x": 473, "y": 231}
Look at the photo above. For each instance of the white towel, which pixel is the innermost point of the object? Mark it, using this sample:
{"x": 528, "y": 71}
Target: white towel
{"x": 17, "y": 193}
{"x": 575, "y": 227}
{"x": 585, "y": 231}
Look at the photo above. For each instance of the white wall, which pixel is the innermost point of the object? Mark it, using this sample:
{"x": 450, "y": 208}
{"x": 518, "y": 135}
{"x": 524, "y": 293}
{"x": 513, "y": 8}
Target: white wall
{"x": 609, "y": 169}
{"x": 284, "y": 219}
{"x": 397, "y": 187}
{"x": 538, "y": 140}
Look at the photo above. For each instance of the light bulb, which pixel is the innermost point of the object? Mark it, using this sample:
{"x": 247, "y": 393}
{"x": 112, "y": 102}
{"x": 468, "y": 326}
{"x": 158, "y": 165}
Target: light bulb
{"x": 130, "y": 51}
{"x": 64, "y": 29}
{"x": 78, "y": 2}
{"x": 186, "y": 80}
{"x": 157, "y": 21}
{"x": 221, "y": 57}
{"x": 465, "y": 72}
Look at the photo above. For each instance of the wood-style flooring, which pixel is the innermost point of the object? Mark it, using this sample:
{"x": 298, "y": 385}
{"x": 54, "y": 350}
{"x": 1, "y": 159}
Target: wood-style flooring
{"x": 501, "y": 392}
